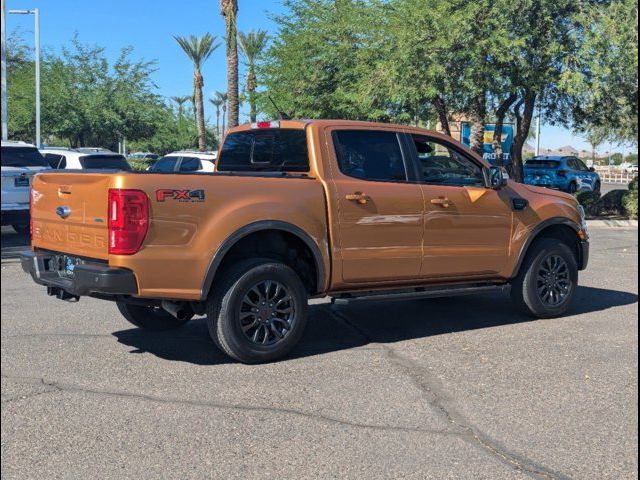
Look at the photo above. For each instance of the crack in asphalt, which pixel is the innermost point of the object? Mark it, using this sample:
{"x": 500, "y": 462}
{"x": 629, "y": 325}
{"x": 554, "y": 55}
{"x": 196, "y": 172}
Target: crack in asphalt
{"x": 437, "y": 398}
{"x": 62, "y": 387}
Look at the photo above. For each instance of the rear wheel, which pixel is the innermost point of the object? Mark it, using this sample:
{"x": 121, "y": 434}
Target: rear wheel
{"x": 258, "y": 311}
{"x": 547, "y": 281}
{"x": 573, "y": 187}
{"x": 149, "y": 318}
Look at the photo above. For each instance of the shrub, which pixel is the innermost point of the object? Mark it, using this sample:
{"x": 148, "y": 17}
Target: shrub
{"x": 590, "y": 201}
{"x": 631, "y": 200}
{"x": 139, "y": 165}
{"x": 613, "y": 203}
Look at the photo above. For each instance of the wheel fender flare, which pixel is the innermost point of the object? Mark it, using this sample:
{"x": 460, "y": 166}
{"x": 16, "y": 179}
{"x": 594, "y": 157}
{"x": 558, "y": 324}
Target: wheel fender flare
{"x": 535, "y": 233}
{"x": 258, "y": 226}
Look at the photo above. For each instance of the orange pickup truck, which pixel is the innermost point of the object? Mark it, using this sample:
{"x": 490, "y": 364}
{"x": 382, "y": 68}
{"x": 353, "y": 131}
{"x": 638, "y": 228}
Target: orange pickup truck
{"x": 301, "y": 209}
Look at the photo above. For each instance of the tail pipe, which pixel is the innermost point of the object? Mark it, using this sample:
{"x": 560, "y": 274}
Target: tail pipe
{"x": 179, "y": 310}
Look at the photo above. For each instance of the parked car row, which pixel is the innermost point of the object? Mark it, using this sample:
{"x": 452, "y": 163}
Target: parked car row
{"x": 21, "y": 161}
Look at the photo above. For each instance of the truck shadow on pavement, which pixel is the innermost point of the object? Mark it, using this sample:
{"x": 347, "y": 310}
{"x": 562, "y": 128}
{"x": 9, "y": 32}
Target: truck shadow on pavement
{"x": 335, "y": 328}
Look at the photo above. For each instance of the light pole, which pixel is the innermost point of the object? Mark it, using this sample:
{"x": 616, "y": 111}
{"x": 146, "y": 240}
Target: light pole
{"x": 36, "y": 15}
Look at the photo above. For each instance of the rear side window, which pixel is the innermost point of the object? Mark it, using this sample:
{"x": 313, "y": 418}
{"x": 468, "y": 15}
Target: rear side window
{"x": 164, "y": 165}
{"x": 190, "y": 164}
{"x": 370, "y": 155}
{"x": 110, "y": 162}
{"x": 56, "y": 161}
{"x": 542, "y": 164}
{"x": 22, "y": 157}
{"x": 274, "y": 150}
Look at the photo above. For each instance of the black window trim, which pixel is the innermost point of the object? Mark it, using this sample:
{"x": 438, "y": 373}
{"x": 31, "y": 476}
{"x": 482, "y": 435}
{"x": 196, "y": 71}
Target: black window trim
{"x": 410, "y": 168}
{"x": 448, "y": 144}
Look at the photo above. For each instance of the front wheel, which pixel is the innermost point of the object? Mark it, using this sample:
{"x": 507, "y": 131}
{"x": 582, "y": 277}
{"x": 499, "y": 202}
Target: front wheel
{"x": 149, "y": 318}
{"x": 258, "y": 312}
{"x": 547, "y": 281}
{"x": 597, "y": 188}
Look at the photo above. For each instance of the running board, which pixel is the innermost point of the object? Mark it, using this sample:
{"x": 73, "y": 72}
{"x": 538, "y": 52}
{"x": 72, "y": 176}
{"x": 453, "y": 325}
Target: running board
{"x": 418, "y": 292}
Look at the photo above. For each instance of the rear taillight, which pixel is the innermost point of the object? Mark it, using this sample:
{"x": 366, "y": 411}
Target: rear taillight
{"x": 128, "y": 220}
{"x": 562, "y": 173}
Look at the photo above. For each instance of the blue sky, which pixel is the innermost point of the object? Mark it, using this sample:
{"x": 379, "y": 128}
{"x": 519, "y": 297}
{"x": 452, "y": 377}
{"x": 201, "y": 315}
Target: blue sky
{"x": 149, "y": 26}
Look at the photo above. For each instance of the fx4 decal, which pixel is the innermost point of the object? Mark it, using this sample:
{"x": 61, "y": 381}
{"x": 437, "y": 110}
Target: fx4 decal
{"x": 180, "y": 195}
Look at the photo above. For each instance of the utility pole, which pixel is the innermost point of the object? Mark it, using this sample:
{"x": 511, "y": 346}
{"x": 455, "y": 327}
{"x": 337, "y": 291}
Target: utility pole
{"x": 36, "y": 14}
{"x": 5, "y": 128}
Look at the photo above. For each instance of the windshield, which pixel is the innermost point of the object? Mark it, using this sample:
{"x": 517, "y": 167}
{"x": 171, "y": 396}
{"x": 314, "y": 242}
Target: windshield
{"x": 22, "y": 157}
{"x": 542, "y": 164}
{"x": 117, "y": 162}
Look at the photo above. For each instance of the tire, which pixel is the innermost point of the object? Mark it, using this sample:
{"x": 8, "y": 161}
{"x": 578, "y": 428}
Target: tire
{"x": 149, "y": 318}
{"x": 22, "y": 229}
{"x": 244, "y": 324}
{"x": 573, "y": 187}
{"x": 531, "y": 290}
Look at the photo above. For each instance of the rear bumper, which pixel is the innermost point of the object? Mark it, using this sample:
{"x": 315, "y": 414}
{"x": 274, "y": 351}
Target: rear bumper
{"x": 88, "y": 278}
{"x": 15, "y": 216}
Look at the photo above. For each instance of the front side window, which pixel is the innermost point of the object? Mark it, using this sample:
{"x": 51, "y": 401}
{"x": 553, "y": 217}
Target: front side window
{"x": 269, "y": 150}
{"x": 370, "y": 155}
{"x": 439, "y": 164}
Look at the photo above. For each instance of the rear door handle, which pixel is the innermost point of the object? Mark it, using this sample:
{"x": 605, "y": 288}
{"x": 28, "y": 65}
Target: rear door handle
{"x": 441, "y": 201}
{"x": 359, "y": 197}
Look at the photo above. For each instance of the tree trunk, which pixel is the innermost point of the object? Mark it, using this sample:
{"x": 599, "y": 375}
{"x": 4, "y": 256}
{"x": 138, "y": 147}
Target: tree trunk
{"x": 224, "y": 122}
{"x": 478, "y": 120}
{"x": 501, "y": 112}
{"x": 230, "y": 11}
{"x": 218, "y": 122}
{"x": 523, "y": 125}
{"x": 199, "y": 104}
{"x": 441, "y": 109}
{"x": 252, "y": 86}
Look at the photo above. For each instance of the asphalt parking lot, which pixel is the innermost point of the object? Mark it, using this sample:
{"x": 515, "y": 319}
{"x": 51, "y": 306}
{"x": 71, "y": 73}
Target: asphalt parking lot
{"x": 450, "y": 388}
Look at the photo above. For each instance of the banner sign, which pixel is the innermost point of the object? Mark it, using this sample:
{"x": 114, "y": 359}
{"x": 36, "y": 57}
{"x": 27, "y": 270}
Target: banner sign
{"x": 489, "y": 155}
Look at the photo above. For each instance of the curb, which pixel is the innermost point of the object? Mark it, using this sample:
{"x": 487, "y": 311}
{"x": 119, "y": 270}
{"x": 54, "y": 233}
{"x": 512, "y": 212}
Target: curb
{"x": 612, "y": 223}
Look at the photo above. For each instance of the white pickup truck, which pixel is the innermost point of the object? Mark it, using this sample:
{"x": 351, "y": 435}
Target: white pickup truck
{"x": 20, "y": 162}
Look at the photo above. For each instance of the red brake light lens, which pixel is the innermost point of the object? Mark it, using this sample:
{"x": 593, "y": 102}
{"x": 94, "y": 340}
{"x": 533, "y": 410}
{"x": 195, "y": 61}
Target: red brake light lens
{"x": 260, "y": 125}
{"x": 128, "y": 220}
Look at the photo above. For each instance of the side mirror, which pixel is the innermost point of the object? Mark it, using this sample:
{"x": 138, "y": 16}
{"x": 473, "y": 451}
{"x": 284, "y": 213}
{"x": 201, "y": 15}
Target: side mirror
{"x": 498, "y": 177}
{"x": 591, "y": 169}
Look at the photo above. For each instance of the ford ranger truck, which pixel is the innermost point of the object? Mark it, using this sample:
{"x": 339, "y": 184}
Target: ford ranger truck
{"x": 301, "y": 209}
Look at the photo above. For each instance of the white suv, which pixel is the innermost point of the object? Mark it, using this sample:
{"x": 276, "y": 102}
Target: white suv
{"x": 67, "y": 158}
{"x": 20, "y": 162}
{"x": 186, "y": 161}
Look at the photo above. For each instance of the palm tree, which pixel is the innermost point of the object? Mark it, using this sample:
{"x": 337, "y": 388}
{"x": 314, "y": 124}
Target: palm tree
{"x": 180, "y": 101}
{"x": 224, "y": 98}
{"x": 229, "y": 10}
{"x": 198, "y": 49}
{"x": 252, "y": 45}
{"x": 217, "y": 103}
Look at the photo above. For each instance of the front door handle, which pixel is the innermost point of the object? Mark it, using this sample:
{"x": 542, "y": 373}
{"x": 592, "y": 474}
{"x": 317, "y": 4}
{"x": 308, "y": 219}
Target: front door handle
{"x": 441, "y": 201}
{"x": 359, "y": 197}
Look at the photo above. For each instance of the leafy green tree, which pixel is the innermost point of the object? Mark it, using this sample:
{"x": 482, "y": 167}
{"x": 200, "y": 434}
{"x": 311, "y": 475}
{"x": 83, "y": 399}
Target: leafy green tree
{"x": 198, "y": 50}
{"x": 252, "y": 45}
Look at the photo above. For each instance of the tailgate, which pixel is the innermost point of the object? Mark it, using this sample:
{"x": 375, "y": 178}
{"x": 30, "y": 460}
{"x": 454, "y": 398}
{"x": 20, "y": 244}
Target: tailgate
{"x": 69, "y": 213}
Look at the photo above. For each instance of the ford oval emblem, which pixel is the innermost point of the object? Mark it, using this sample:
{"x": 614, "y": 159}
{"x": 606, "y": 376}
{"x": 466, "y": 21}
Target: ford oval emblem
{"x": 63, "y": 211}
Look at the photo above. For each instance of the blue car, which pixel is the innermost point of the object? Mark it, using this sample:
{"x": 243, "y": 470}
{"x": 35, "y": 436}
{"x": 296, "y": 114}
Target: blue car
{"x": 568, "y": 174}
